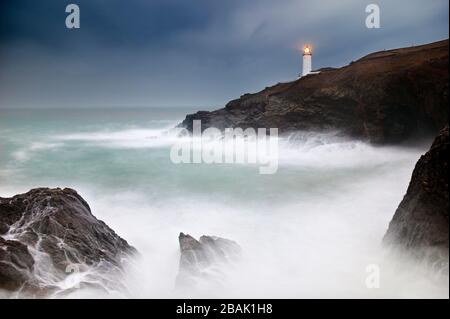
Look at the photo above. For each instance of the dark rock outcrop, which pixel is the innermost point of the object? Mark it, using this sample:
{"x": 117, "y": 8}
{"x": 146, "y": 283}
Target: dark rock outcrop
{"x": 201, "y": 259}
{"x": 57, "y": 224}
{"x": 384, "y": 97}
{"x": 16, "y": 264}
{"x": 420, "y": 224}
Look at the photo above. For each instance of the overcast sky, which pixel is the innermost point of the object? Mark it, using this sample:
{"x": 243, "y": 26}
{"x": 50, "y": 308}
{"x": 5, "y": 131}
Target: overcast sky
{"x": 198, "y": 53}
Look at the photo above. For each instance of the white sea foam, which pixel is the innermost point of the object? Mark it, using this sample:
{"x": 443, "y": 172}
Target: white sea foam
{"x": 128, "y": 138}
{"x": 25, "y": 153}
{"x": 306, "y": 149}
{"x": 316, "y": 247}
{"x": 308, "y": 231}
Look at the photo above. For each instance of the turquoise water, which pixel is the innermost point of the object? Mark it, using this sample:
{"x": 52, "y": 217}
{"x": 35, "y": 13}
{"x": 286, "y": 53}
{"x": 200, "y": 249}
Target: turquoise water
{"x": 321, "y": 216}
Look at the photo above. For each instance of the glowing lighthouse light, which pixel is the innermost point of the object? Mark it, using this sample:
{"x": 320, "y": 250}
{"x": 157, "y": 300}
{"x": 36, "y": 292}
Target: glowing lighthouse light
{"x": 307, "y": 60}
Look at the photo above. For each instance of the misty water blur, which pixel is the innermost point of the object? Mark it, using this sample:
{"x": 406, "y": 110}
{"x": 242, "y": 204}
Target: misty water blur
{"x": 310, "y": 230}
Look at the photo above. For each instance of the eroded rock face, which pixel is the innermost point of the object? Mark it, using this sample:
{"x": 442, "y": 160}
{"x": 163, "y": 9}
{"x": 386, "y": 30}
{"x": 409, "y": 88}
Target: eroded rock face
{"x": 420, "y": 224}
{"x": 53, "y": 226}
{"x": 201, "y": 261}
{"x": 16, "y": 264}
{"x": 385, "y": 97}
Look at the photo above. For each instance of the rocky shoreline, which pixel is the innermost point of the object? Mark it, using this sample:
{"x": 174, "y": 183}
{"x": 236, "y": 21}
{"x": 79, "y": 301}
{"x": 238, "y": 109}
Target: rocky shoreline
{"x": 47, "y": 234}
{"x": 420, "y": 224}
{"x": 385, "y": 97}
{"x": 52, "y": 233}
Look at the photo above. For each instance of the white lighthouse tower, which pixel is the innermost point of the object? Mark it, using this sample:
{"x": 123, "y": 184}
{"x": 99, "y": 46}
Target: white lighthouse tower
{"x": 307, "y": 60}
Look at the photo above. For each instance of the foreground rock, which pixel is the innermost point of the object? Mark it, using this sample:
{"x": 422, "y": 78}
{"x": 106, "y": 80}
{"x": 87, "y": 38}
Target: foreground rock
{"x": 385, "y": 97}
{"x": 202, "y": 261}
{"x": 420, "y": 224}
{"x": 46, "y": 234}
{"x": 16, "y": 264}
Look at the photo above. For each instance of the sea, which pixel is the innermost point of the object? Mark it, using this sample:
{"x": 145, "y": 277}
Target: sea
{"x": 313, "y": 229}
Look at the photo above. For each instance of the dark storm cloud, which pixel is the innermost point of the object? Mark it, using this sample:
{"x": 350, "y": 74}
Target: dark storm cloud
{"x": 187, "y": 52}
{"x": 108, "y": 23}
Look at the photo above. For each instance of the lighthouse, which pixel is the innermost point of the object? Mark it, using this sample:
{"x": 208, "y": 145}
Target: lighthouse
{"x": 307, "y": 60}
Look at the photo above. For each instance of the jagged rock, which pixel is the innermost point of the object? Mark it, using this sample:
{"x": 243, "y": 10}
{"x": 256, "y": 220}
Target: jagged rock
{"x": 201, "y": 259}
{"x": 16, "y": 264}
{"x": 420, "y": 224}
{"x": 56, "y": 224}
{"x": 385, "y": 97}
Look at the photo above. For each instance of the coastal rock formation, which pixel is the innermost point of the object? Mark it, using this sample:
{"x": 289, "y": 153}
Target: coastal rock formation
{"x": 16, "y": 264}
{"x": 200, "y": 260}
{"x": 53, "y": 230}
{"x": 384, "y": 97}
{"x": 420, "y": 224}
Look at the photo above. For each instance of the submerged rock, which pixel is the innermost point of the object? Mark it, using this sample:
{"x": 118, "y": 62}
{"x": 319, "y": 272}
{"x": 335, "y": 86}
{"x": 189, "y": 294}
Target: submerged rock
{"x": 46, "y": 234}
{"x": 385, "y": 97}
{"x": 420, "y": 224}
{"x": 201, "y": 261}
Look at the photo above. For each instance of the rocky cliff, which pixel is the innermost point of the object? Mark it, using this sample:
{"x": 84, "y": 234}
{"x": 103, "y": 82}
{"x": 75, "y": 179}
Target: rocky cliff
{"x": 47, "y": 234}
{"x": 385, "y": 97}
{"x": 420, "y": 224}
